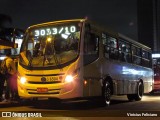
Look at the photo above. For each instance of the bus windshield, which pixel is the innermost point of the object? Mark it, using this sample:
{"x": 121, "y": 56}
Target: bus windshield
{"x": 50, "y": 45}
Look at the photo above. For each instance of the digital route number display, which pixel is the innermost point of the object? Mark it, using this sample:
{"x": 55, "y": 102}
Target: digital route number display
{"x": 55, "y": 30}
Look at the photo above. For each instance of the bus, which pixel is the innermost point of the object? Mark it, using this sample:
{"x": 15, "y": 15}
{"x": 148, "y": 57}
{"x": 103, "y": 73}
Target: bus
{"x": 77, "y": 58}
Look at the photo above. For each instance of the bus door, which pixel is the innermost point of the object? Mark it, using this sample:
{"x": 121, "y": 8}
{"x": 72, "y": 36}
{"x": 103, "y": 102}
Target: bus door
{"x": 91, "y": 64}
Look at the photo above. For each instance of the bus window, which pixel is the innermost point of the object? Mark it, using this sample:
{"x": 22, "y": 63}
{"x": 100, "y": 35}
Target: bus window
{"x": 110, "y": 47}
{"x": 136, "y": 52}
{"x": 145, "y": 59}
{"x": 124, "y": 51}
{"x": 72, "y": 41}
{"x": 90, "y": 48}
{"x": 44, "y": 47}
{"x": 36, "y": 50}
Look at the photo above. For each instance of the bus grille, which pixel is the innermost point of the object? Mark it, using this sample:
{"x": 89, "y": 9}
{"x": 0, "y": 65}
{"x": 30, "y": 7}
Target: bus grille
{"x": 44, "y": 93}
{"x": 50, "y": 91}
{"x": 31, "y": 82}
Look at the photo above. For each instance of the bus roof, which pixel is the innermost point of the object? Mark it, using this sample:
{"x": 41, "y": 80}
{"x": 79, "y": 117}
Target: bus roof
{"x": 54, "y": 22}
{"x": 119, "y": 35}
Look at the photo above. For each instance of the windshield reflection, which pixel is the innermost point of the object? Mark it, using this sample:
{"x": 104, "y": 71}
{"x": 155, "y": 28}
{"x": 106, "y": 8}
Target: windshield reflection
{"x": 51, "y": 50}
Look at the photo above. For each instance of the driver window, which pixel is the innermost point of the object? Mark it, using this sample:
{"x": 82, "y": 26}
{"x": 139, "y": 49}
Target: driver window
{"x": 90, "y": 47}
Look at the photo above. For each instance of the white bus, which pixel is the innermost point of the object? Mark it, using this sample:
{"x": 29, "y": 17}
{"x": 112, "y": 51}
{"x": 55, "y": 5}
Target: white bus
{"x": 77, "y": 58}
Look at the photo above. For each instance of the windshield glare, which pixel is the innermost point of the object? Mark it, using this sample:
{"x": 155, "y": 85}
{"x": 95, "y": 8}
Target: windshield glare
{"x": 49, "y": 49}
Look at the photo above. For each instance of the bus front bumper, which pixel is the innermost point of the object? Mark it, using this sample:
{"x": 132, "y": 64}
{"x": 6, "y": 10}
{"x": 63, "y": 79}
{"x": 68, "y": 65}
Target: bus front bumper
{"x": 59, "y": 90}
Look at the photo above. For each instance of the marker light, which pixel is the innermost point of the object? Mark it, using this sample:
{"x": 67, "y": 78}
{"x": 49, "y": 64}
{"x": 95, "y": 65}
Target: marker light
{"x": 23, "y": 80}
{"x": 69, "y": 78}
{"x": 85, "y": 82}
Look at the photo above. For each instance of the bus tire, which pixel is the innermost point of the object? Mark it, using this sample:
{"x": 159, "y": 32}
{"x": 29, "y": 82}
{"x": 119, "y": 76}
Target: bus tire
{"x": 140, "y": 91}
{"x": 106, "y": 92}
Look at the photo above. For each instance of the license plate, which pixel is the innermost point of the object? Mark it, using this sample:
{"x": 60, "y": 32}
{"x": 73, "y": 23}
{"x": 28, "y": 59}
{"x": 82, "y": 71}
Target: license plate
{"x": 42, "y": 90}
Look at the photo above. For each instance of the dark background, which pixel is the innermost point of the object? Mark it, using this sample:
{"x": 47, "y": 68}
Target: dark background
{"x": 118, "y": 15}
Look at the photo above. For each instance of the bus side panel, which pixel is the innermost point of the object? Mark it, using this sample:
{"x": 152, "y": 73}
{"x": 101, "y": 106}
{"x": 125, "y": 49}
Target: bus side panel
{"x": 92, "y": 88}
{"x": 124, "y": 82}
{"x": 146, "y": 75}
{"x": 92, "y": 76}
{"x": 125, "y": 76}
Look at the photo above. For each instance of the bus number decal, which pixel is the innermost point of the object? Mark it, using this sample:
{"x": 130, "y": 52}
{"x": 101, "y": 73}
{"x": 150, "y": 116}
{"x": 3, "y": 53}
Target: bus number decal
{"x": 36, "y": 32}
{"x": 54, "y": 31}
{"x": 43, "y": 32}
{"x": 48, "y": 31}
{"x": 73, "y": 29}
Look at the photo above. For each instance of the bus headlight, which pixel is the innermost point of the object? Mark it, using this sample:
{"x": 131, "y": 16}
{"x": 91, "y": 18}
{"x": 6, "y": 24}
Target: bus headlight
{"x": 69, "y": 78}
{"x": 23, "y": 80}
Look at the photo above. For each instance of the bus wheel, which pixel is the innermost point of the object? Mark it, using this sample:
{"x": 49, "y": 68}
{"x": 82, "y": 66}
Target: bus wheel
{"x": 106, "y": 93}
{"x": 140, "y": 91}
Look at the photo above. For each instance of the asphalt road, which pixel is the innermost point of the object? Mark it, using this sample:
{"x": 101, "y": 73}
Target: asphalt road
{"x": 120, "y": 107}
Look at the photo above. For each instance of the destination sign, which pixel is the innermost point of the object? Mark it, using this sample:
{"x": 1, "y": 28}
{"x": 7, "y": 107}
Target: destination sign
{"x": 55, "y": 30}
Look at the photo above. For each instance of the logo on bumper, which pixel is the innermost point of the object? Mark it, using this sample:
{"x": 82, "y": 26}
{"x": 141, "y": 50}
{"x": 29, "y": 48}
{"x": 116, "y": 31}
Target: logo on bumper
{"x": 43, "y": 79}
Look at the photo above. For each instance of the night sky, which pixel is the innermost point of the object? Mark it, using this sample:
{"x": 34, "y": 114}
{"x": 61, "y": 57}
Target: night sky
{"x": 118, "y": 15}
